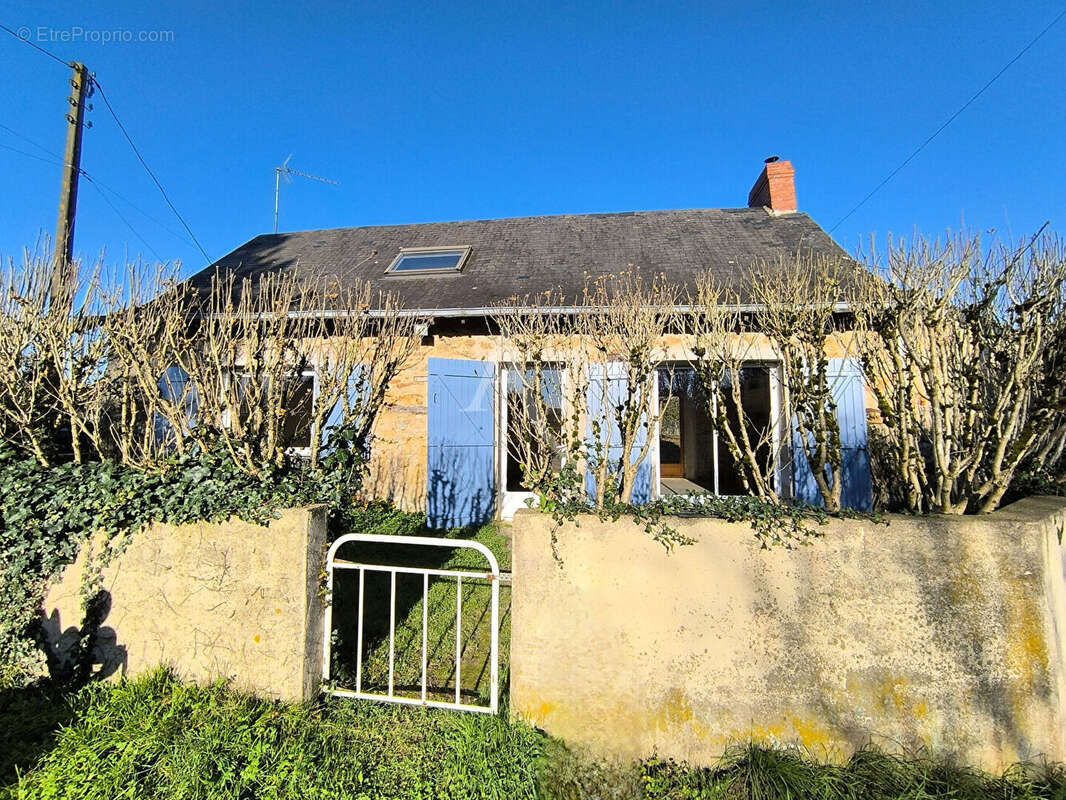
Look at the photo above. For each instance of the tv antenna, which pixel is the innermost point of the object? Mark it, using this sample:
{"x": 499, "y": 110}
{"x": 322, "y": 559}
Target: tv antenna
{"x": 288, "y": 172}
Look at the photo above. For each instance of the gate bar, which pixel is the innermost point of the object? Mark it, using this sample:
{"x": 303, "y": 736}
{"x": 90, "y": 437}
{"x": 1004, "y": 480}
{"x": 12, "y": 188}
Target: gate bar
{"x": 425, "y": 629}
{"x": 359, "y": 644}
{"x": 458, "y": 633}
{"x": 392, "y": 629}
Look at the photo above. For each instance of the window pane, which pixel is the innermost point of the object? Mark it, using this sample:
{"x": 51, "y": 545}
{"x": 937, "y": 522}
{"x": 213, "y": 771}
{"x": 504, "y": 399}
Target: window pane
{"x": 520, "y": 402}
{"x": 296, "y": 422}
{"x": 755, "y": 402}
{"x": 176, "y": 387}
{"x": 413, "y": 262}
{"x": 686, "y": 433}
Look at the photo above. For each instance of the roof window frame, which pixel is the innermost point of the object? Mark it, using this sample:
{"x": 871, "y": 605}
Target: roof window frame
{"x": 463, "y": 249}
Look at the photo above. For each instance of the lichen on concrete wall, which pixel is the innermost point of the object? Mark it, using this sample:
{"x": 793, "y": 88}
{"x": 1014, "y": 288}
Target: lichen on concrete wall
{"x": 944, "y": 633}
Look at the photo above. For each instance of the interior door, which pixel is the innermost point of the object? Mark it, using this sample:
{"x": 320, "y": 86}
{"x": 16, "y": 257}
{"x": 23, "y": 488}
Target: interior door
{"x": 671, "y": 446}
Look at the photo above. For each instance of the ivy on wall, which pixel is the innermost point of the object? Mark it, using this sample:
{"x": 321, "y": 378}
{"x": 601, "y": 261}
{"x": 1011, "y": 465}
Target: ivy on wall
{"x": 48, "y": 513}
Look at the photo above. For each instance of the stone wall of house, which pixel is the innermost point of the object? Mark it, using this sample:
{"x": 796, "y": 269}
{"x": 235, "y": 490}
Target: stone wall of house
{"x": 943, "y": 632}
{"x": 229, "y": 600}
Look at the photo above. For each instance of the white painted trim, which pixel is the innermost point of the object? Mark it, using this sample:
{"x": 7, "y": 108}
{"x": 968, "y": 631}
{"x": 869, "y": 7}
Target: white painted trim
{"x": 653, "y": 452}
{"x": 781, "y": 431}
{"x": 508, "y": 502}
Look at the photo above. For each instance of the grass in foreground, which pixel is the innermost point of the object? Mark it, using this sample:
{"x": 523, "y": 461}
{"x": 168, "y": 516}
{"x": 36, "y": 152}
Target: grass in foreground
{"x": 156, "y": 737}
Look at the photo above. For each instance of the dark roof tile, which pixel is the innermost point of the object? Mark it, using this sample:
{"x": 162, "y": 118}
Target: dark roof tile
{"x": 525, "y": 255}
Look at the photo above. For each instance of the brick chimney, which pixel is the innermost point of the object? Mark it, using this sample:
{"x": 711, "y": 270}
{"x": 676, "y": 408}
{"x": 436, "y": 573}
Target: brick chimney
{"x": 776, "y": 187}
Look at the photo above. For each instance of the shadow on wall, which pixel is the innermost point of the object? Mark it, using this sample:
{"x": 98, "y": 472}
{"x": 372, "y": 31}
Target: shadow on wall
{"x": 75, "y": 655}
{"x": 962, "y": 602}
{"x": 460, "y": 486}
{"x": 392, "y": 478}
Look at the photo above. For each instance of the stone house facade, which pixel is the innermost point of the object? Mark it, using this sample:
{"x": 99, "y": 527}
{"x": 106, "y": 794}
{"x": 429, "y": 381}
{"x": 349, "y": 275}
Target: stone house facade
{"x": 441, "y": 440}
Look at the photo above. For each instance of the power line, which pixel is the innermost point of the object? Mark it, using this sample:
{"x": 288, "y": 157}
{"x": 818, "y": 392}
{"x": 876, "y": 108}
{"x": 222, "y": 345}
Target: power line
{"x": 35, "y": 46}
{"x": 121, "y": 217}
{"x": 139, "y": 210}
{"x": 136, "y": 152}
{"x": 949, "y": 120}
{"x": 54, "y": 161}
{"x": 96, "y": 185}
{"x": 55, "y": 158}
{"x": 95, "y": 83}
{"x": 28, "y": 140}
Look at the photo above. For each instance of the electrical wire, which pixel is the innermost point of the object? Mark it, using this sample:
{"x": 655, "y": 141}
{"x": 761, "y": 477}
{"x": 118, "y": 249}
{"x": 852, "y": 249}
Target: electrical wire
{"x": 180, "y": 237}
{"x": 36, "y": 46}
{"x": 55, "y": 158}
{"x": 136, "y": 152}
{"x": 949, "y": 120}
{"x": 28, "y": 140}
{"x": 84, "y": 174}
{"x": 123, "y": 218}
{"x": 94, "y": 83}
{"x": 54, "y": 161}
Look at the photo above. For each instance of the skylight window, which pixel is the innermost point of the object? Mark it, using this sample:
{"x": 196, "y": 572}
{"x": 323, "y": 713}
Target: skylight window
{"x": 423, "y": 260}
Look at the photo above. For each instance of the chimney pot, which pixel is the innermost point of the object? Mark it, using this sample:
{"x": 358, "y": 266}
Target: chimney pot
{"x": 775, "y": 187}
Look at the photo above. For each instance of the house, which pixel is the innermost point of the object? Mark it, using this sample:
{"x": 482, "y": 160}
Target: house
{"x": 441, "y": 441}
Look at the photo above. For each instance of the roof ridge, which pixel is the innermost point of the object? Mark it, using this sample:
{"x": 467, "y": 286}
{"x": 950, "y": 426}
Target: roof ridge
{"x": 585, "y": 214}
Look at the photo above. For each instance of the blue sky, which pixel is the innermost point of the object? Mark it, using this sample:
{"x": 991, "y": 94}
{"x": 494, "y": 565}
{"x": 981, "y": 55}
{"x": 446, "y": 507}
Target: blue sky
{"x": 460, "y": 110}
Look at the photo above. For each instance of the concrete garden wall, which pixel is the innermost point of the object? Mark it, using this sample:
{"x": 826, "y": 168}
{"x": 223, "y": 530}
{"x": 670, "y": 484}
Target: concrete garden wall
{"x": 230, "y": 600}
{"x": 946, "y": 633}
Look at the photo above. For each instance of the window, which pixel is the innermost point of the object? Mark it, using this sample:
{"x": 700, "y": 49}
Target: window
{"x": 428, "y": 260}
{"x": 519, "y": 401}
{"x": 299, "y": 406}
{"x": 692, "y": 458}
{"x": 177, "y": 388}
{"x": 297, "y": 402}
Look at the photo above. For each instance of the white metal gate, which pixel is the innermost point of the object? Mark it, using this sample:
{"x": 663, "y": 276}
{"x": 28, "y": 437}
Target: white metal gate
{"x": 333, "y": 563}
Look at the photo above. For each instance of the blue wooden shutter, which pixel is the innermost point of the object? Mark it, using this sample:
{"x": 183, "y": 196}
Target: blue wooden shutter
{"x": 461, "y": 468}
{"x": 609, "y": 436}
{"x": 850, "y": 396}
{"x": 846, "y": 381}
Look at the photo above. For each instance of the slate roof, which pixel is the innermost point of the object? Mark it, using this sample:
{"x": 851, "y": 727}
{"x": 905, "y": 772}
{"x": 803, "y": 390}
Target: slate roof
{"x": 526, "y": 255}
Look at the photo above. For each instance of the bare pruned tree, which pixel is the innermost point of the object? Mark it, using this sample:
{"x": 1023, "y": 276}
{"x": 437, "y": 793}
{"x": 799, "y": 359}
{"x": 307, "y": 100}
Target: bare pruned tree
{"x": 141, "y": 367}
{"x": 624, "y": 320}
{"x": 273, "y": 367}
{"x": 606, "y": 351}
{"x": 797, "y": 304}
{"x": 27, "y": 402}
{"x": 964, "y": 353}
{"x": 724, "y": 346}
{"x": 547, "y": 384}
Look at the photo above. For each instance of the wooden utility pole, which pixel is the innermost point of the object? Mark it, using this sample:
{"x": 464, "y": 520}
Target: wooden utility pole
{"x": 68, "y": 190}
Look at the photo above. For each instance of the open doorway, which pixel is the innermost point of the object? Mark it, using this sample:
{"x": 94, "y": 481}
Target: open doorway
{"x": 692, "y": 459}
